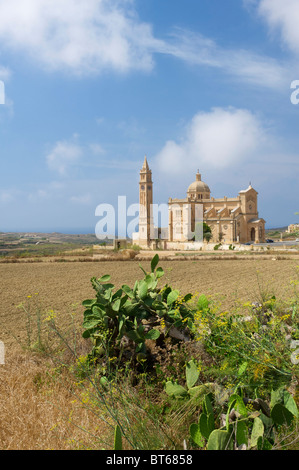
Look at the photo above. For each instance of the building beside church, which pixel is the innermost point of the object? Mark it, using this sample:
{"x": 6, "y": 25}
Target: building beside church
{"x": 231, "y": 220}
{"x": 293, "y": 228}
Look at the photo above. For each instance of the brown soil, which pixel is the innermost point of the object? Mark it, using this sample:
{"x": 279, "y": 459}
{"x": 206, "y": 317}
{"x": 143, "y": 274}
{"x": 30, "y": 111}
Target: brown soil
{"x": 60, "y": 285}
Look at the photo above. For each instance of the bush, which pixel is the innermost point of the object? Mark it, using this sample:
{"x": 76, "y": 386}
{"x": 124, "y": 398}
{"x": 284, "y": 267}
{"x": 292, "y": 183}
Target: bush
{"x": 122, "y": 325}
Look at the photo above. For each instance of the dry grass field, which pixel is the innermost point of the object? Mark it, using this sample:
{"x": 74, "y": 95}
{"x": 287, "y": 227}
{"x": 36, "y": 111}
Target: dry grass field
{"x": 34, "y": 414}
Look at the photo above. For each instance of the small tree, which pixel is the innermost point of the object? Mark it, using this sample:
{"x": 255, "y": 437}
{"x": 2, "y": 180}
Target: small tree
{"x": 207, "y": 236}
{"x": 202, "y": 228}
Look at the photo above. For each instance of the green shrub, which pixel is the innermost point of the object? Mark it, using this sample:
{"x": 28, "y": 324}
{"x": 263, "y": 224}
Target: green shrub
{"x": 120, "y": 323}
{"x": 216, "y": 247}
{"x": 237, "y": 355}
{"x": 249, "y": 424}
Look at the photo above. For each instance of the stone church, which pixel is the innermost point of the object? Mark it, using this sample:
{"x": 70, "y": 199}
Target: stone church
{"x": 231, "y": 220}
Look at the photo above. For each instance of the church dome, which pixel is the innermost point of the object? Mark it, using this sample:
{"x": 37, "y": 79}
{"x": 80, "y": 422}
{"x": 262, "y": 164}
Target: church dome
{"x": 199, "y": 187}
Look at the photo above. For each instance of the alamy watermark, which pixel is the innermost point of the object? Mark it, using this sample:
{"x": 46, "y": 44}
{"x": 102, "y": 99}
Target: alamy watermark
{"x": 184, "y": 217}
{"x": 2, "y": 92}
{"x": 295, "y": 94}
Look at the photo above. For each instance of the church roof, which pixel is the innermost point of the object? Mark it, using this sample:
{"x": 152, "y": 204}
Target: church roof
{"x": 198, "y": 186}
{"x": 255, "y": 221}
{"x": 248, "y": 189}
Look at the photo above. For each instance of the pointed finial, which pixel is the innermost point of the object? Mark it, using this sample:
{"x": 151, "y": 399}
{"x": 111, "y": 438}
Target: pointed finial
{"x": 145, "y": 164}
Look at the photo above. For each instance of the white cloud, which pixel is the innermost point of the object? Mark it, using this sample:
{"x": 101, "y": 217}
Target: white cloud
{"x": 5, "y": 73}
{"x": 90, "y": 37}
{"x": 96, "y": 149}
{"x": 284, "y": 16}
{"x": 67, "y": 155}
{"x": 39, "y": 195}
{"x": 64, "y": 155}
{"x": 100, "y": 121}
{"x": 218, "y": 139}
{"x": 250, "y": 67}
{"x": 81, "y": 199}
{"x": 7, "y": 196}
{"x": 78, "y": 35}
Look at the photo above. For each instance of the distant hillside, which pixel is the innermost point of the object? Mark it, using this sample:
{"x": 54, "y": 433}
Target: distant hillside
{"x": 276, "y": 229}
{"x": 26, "y": 244}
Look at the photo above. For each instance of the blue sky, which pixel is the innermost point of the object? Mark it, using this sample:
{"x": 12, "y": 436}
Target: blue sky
{"x": 91, "y": 86}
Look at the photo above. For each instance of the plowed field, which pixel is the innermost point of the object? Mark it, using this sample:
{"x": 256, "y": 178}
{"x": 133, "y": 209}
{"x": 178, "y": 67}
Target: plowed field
{"x": 60, "y": 285}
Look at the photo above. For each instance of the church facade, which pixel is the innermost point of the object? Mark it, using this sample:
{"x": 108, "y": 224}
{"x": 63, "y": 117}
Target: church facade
{"x": 230, "y": 220}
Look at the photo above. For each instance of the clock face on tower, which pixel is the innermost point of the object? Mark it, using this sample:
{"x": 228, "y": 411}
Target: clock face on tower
{"x": 142, "y": 187}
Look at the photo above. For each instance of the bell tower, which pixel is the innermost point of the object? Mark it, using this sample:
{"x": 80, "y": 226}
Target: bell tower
{"x": 145, "y": 201}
